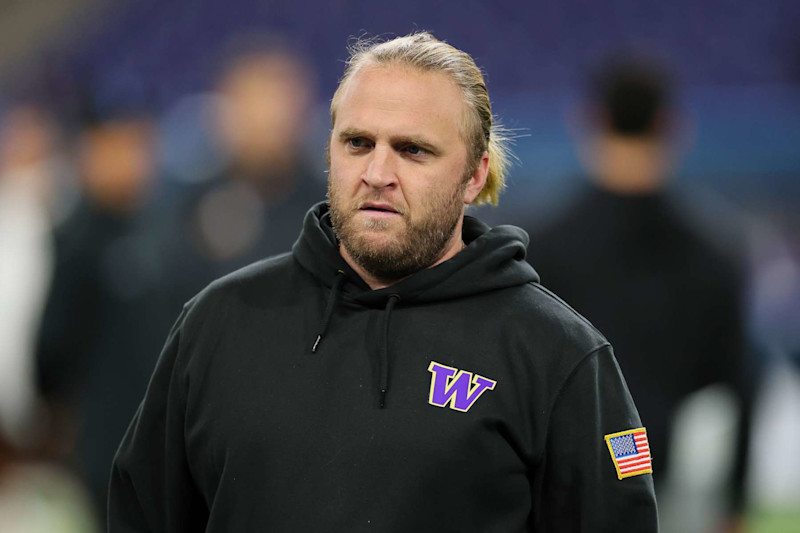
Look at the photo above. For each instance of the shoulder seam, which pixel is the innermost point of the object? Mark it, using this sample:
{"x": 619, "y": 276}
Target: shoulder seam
{"x": 547, "y": 292}
{"x": 594, "y": 351}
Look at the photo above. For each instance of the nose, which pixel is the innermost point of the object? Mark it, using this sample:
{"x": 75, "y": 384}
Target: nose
{"x": 381, "y": 168}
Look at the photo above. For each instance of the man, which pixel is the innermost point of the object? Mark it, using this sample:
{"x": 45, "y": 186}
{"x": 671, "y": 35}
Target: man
{"x": 401, "y": 370}
{"x": 662, "y": 287}
{"x": 104, "y": 319}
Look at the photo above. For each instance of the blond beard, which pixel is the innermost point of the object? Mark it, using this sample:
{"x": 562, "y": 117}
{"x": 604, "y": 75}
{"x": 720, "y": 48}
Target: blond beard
{"x": 420, "y": 245}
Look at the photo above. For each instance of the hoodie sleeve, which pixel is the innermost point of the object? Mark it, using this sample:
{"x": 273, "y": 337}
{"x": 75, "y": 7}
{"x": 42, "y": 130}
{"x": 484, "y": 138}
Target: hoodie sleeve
{"x": 151, "y": 487}
{"x": 582, "y": 490}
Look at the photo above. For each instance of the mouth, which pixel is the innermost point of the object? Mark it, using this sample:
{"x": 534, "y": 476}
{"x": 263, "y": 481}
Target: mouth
{"x": 378, "y": 209}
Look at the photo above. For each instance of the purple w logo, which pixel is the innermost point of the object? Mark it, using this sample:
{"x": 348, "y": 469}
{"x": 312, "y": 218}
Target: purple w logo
{"x": 457, "y": 389}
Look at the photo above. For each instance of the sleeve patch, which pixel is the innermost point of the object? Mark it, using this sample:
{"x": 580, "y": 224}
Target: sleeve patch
{"x": 630, "y": 452}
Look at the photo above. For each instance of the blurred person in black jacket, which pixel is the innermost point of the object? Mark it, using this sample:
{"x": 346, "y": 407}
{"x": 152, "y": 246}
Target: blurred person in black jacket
{"x": 102, "y": 324}
{"x": 251, "y": 208}
{"x": 667, "y": 292}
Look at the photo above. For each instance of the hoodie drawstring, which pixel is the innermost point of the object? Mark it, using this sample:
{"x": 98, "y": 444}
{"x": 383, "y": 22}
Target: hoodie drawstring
{"x": 383, "y": 384}
{"x": 384, "y": 347}
{"x": 334, "y": 295}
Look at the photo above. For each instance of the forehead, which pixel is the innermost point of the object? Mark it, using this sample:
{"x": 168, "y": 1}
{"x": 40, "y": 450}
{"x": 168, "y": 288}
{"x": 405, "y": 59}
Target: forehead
{"x": 401, "y": 100}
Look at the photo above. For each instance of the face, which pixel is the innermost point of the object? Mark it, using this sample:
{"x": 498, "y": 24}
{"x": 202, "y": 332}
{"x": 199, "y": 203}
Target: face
{"x": 399, "y": 177}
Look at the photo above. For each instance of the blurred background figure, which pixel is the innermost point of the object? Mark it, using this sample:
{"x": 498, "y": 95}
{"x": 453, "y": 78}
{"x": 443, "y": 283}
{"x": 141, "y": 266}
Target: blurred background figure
{"x": 666, "y": 290}
{"x": 27, "y": 140}
{"x": 103, "y": 324}
{"x": 251, "y": 207}
{"x": 34, "y": 496}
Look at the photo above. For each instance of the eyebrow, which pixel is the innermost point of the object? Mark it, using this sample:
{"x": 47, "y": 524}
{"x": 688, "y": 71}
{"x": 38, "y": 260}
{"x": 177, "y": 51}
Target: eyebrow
{"x": 351, "y": 133}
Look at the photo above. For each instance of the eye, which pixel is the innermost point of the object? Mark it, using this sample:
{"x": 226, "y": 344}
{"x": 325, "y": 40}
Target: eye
{"x": 413, "y": 149}
{"x": 357, "y": 143}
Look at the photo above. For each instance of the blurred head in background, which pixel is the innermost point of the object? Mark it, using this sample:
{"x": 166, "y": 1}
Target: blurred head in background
{"x": 631, "y": 125}
{"x": 266, "y": 94}
{"x": 116, "y": 161}
{"x": 27, "y": 136}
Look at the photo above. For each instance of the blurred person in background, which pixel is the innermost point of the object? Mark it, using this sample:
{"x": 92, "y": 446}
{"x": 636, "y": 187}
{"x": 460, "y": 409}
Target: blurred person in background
{"x": 27, "y": 138}
{"x": 35, "y": 497}
{"x": 252, "y": 207}
{"x": 102, "y": 324}
{"x": 668, "y": 292}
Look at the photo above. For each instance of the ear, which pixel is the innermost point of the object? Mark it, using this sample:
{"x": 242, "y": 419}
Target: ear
{"x": 475, "y": 183}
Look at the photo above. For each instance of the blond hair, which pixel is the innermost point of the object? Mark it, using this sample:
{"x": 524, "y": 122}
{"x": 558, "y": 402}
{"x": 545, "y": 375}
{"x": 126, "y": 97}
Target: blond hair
{"x": 426, "y": 53}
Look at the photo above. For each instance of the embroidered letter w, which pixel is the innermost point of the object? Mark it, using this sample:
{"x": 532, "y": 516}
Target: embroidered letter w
{"x": 457, "y": 389}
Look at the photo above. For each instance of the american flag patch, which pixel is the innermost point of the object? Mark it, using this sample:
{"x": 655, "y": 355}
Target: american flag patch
{"x": 630, "y": 452}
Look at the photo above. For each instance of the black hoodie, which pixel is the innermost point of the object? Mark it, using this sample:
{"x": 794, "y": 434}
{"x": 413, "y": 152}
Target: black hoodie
{"x": 466, "y": 398}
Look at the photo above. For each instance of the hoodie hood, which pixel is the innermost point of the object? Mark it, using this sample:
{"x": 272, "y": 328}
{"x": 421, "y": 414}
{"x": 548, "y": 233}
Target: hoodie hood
{"x": 494, "y": 258}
